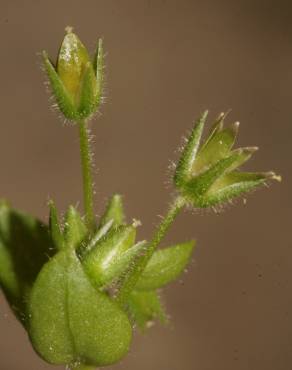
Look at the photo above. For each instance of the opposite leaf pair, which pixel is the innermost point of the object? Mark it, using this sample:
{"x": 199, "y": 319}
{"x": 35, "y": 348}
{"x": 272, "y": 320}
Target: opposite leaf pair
{"x": 67, "y": 306}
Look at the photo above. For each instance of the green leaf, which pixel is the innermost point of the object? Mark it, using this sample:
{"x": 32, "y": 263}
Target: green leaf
{"x": 114, "y": 211}
{"x": 54, "y": 227}
{"x": 165, "y": 266}
{"x": 144, "y": 307}
{"x": 70, "y": 321}
{"x": 188, "y": 156}
{"x": 75, "y": 230}
{"x": 25, "y": 246}
{"x": 108, "y": 259}
{"x": 88, "y": 92}
{"x": 63, "y": 99}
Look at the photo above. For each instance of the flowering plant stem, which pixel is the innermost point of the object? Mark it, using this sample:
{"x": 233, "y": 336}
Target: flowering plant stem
{"x": 79, "y": 286}
{"x": 86, "y": 173}
{"x": 131, "y": 279}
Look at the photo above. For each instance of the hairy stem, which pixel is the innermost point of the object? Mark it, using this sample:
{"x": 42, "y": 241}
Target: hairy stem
{"x": 86, "y": 173}
{"x": 131, "y": 279}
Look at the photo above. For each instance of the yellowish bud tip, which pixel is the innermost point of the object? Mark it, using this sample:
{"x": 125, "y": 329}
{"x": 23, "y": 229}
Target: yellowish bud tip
{"x": 271, "y": 175}
{"x": 69, "y": 29}
{"x": 252, "y": 149}
{"x": 136, "y": 223}
{"x": 277, "y": 178}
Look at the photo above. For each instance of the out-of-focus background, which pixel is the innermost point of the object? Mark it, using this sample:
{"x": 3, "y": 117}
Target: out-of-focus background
{"x": 166, "y": 61}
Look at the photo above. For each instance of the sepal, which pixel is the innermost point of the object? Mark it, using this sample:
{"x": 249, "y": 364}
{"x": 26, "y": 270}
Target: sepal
{"x": 88, "y": 93}
{"x": 111, "y": 256}
{"x": 234, "y": 185}
{"x": 55, "y": 227}
{"x": 98, "y": 66}
{"x": 114, "y": 211}
{"x": 75, "y": 230}
{"x": 63, "y": 99}
{"x": 186, "y": 162}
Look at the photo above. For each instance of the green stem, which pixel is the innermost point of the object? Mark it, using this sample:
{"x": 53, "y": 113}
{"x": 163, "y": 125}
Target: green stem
{"x": 86, "y": 173}
{"x": 131, "y": 279}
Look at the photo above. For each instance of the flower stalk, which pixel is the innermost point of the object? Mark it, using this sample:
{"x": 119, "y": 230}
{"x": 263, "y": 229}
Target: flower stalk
{"x": 132, "y": 278}
{"x": 86, "y": 164}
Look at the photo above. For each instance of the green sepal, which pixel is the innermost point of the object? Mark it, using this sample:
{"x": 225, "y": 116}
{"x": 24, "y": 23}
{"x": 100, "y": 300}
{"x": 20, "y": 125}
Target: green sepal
{"x": 165, "y": 266}
{"x": 103, "y": 273}
{"x": 98, "y": 66}
{"x": 108, "y": 258}
{"x": 63, "y": 98}
{"x": 87, "y": 103}
{"x": 72, "y": 60}
{"x": 70, "y": 321}
{"x": 25, "y": 246}
{"x": 217, "y": 126}
{"x": 233, "y": 185}
{"x": 54, "y": 227}
{"x": 100, "y": 234}
{"x": 200, "y": 184}
{"x": 145, "y": 307}
{"x": 75, "y": 230}
{"x": 244, "y": 154}
{"x": 114, "y": 211}
{"x": 188, "y": 156}
{"x": 216, "y": 148}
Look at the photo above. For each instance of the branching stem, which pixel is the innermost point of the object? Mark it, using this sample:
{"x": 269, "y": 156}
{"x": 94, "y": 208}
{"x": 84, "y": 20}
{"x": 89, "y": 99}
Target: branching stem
{"x": 86, "y": 173}
{"x": 131, "y": 279}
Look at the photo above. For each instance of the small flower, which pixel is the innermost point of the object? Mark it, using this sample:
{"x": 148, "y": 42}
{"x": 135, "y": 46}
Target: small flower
{"x": 76, "y": 81}
{"x": 208, "y": 175}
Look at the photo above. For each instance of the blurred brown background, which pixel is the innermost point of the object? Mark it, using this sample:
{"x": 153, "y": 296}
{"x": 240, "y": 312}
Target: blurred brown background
{"x": 166, "y": 62}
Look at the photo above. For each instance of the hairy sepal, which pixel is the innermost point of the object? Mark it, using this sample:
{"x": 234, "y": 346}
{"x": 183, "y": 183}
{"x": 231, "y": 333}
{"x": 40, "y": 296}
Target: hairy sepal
{"x": 188, "y": 156}
{"x": 64, "y": 101}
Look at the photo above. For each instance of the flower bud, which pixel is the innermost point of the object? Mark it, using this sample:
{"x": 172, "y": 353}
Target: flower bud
{"x": 76, "y": 81}
{"x": 208, "y": 175}
{"x": 112, "y": 255}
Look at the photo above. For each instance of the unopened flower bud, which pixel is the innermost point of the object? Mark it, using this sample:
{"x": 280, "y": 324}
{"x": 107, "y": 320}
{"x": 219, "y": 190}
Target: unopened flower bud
{"x": 76, "y": 81}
